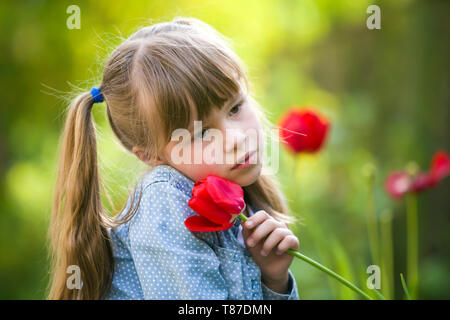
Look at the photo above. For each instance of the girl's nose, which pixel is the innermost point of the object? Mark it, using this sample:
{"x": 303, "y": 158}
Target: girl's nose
{"x": 234, "y": 140}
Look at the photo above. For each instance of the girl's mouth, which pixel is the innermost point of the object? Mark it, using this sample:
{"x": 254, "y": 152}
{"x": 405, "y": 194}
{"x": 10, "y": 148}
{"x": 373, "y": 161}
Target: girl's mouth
{"x": 247, "y": 162}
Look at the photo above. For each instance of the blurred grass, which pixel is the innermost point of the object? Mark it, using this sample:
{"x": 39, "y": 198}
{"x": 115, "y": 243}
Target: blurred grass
{"x": 385, "y": 92}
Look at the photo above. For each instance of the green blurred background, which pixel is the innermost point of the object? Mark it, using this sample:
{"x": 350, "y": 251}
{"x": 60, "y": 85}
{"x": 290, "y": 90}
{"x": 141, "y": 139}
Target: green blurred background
{"x": 386, "y": 93}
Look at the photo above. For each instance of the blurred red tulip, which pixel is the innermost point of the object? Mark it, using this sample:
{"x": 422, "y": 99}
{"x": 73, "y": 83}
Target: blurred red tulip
{"x": 440, "y": 166}
{"x": 400, "y": 182}
{"x": 397, "y": 184}
{"x": 303, "y": 130}
{"x": 422, "y": 181}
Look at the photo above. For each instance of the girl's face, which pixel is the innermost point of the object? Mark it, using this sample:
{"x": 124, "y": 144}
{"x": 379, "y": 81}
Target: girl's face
{"x": 217, "y": 144}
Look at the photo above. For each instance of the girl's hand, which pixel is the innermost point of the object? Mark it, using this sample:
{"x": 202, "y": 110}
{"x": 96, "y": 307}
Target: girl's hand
{"x": 267, "y": 239}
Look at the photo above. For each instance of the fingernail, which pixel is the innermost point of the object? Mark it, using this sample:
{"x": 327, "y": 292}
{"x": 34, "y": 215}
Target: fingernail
{"x": 250, "y": 243}
{"x": 263, "y": 253}
{"x": 249, "y": 224}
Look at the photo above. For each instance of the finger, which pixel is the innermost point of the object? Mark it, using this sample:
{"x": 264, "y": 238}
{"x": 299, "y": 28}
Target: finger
{"x": 274, "y": 238}
{"x": 246, "y": 233}
{"x": 256, "y": 219}
{"x": 289, "y": 242}
{"x": 261, "y": 231}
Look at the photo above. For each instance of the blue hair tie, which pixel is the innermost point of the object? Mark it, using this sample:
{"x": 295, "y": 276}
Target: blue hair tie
{"x": 96, "y": 94}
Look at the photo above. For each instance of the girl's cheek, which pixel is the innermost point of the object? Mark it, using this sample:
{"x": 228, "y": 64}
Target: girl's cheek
{"x": 261, "y": 143}
{"x": 196, "y": 153}
{"x": 213, "y": 154}
{"x": 209, "y": 159}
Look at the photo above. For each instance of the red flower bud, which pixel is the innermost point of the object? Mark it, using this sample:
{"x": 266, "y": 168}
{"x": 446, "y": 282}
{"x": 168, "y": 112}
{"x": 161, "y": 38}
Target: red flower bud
{"x": 218, "y": 201}
{"x": 303, "y": 130}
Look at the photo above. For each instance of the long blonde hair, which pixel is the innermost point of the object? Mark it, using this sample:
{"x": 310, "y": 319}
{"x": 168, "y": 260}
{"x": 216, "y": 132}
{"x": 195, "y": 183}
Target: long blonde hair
{"x": 151, "y": 84}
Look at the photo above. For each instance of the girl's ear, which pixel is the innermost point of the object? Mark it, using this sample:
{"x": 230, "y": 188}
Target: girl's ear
{"x": 145, "y": 156}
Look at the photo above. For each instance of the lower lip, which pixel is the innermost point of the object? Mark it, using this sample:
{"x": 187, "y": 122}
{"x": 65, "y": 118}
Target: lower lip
{"x": 248, "y": 163}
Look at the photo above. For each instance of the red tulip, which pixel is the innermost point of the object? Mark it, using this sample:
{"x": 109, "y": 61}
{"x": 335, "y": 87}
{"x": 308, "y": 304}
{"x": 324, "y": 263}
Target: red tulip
{"x": 397, "y": 184}
{"x": 217, "y": 201}
{"x": 440, "y": 166}
{"x": 303, "y": 130}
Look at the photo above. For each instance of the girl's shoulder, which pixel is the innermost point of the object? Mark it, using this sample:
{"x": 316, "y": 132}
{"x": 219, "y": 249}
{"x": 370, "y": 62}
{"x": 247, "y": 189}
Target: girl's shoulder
{"x": 158, "y": 181}
{"x": 166, "y": 173}
{"x": 165, "y": 195}
{"x": 163, "y": 207}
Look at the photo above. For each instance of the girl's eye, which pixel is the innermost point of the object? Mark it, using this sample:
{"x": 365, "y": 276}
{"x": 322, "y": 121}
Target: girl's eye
{"x": 235, "y": 109}
{"x": 203, "y": 132}
{"x": 201, "y": 135}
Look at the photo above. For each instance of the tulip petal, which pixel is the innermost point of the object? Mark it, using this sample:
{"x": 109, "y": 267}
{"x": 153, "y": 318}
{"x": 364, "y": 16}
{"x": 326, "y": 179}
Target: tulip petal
{"x": 226, "y": 194}
{"x": 209, "y": 210}
{"x": 397, "y": 184}
{"x": 199, "y": 223}
{"x": 440, "y": 166}
{"x": 217, "y": 201}
{"x": 421, "y": 182}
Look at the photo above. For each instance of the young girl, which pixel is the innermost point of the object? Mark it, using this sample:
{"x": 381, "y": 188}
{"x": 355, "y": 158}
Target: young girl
{"x": 162, "y": 78}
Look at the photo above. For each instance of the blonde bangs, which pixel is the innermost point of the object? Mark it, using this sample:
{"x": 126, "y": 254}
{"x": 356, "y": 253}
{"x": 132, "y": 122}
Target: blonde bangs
{"x": 183, "y": 74}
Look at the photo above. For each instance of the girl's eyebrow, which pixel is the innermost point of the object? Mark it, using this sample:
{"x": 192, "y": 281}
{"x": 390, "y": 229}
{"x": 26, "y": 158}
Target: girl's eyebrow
{"x": 205, "y": 122}
{"x": 237, "y": 97}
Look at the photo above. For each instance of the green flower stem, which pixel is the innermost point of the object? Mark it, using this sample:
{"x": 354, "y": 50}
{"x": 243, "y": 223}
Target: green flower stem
{"x": 405, "y": 288}
{"x": 387, "y": 254}
{"x": 412, "y": 243}
{"x": 294, "y": 175}
{"x": 372, "y": 221}
{"x": 320, "y": 267}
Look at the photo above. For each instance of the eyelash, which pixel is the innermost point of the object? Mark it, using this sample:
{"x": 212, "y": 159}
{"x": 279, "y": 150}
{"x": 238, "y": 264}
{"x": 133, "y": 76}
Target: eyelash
{"x": 200, "y": 135}
{"x": 203, "y": 132}
{"x": 237, "y": 105}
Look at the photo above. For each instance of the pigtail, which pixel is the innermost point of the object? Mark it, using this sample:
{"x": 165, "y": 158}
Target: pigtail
{"x": 78, "y": 234}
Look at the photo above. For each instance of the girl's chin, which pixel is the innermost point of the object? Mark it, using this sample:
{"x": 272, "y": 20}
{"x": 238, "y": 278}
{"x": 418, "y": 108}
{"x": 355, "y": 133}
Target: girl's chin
{"x": 248, "y": 176}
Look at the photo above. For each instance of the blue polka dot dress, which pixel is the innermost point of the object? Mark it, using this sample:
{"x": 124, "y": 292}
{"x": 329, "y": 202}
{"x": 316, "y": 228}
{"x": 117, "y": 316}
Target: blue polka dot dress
{"x": 157, "y": 257}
